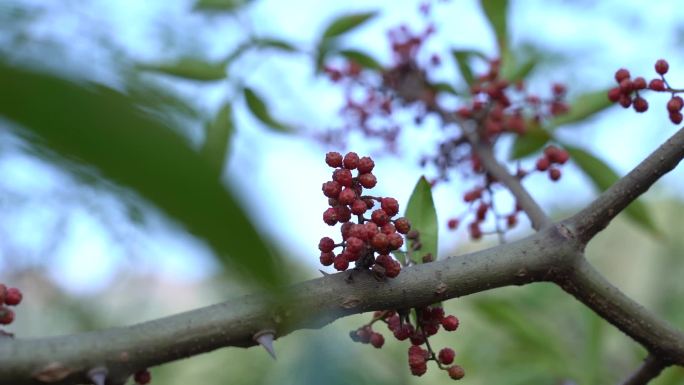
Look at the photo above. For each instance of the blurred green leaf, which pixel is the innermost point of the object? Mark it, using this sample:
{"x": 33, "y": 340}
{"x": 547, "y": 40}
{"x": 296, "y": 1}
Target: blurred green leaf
{"x": 583, "y": 107}
{"x": 444, "y": 87}
{"x": 269, "y": 42}
{"x": 532, "y": 141}
{"x": 218, "y": 134}
{"x": 219, "y": 5}
{"x": 462, "y": 58}
{"x": 603, "y": 177}
{"x": 361, "y": 58}
{"x": 346, "y": 23}
{"x": 258, "y": 108}
{"x": 496, "y": 12}
{"x": 421, "y": 212}
{"x": 400, "y": 256}
{"x": 515, "y": 72}
{"x": 102, "y": 128}
{"x": 190, "y": 68}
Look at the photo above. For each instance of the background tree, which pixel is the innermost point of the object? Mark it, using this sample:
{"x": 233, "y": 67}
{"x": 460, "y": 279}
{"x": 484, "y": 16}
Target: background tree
{"x": 87, "y": 129}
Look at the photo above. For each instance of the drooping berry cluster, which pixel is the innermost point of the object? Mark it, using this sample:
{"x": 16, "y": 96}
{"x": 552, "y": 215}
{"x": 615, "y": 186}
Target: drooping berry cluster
{"x": 375, "y": 233}
{"x": 426, "y": 322}
{"x": 8, "y": 297}
{"x": 552, "y": 156}
{"x": 627, "y": 92}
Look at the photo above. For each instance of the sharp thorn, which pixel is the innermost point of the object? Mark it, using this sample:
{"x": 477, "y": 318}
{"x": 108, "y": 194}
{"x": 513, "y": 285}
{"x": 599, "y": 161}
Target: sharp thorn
{"x": 98, "y": 375}
{"x": 324, "y": 273}
{"x": 265, "y": 339}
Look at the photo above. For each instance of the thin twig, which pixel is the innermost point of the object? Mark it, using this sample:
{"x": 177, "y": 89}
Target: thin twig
{"x": 649, "y": 369}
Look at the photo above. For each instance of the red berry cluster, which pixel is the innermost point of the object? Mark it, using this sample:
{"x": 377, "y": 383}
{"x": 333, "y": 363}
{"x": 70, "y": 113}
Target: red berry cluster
{"x": 142, "y": 377}
{"x": 627, "y": 91}
{"x": 552, "y": 155}
{"x": 376, "y": 233}
{"x": 428, "y": 321}
{"x": 8, "y": 297}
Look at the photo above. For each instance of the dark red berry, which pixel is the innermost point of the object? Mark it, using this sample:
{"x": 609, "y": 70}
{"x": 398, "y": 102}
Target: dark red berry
{"x": 377, "y": 340}
{"x": 639, "y": 83}
{"x": 341, "y": 263}
{"x": 371, "y": 229}
{"x": 6, "y": 315}
{"x": 511, "y": 220}
{"x": 347, "y": 196}
{"x": 367, "y": 180}
{"x": 326, "y": 244}
{"x": 543, "y": 164}
{"x": 366, "y": 165}
{"x": 456, "y": 372}
{"x": 640, "y": 104}
{"x": 614, "y": 94}
{"x": 358, "y": 231}
{"x": 354, "y": 245}
{"x": 351, "y": 161}
{"x": 333, "y": 159}
{"x": 388, "y": 228}
{"x": 661, "y": 66}
{"x": 358, "y": 207}
{"x": 657, "y": 85}
{"x": 363, "y": 334}
{"x": 482, "y": 211}
{"x": 419, "y": 370}
{"x": 452, "y": 224}
{"x": 380, "y": 217}
{"x": 621, "y": 75}
{"x": 380, "y": 242}
{"x": 446, "y": 356}
{"x": 331, "y": 189}
{"x": 330, "y": 216}
{"x": 625, "y": 101}
{"x": 343, "y": 214}
{"x": 450, "y": 323}
{"x": 390, "y": 205}
{"x": 344, "y": 230}
{"x": 558, "y": 89}
{"x": 327, "y": 258}
{"x": 402, "y": 225}
{"x": 343, "y": 177}
{"x": 554, "y": 174}
{"x": 395, "y": 241}
{"x": 676, "y": 117}
{"x": 675, "y": 104}
{"x": 392, "y": 269}
{"x": 142, "y": 377}
{"x": 562, "y": 156}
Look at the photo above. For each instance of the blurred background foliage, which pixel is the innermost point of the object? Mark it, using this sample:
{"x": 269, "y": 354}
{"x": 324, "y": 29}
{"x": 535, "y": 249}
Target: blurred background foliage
{"x": 151, "y": 140}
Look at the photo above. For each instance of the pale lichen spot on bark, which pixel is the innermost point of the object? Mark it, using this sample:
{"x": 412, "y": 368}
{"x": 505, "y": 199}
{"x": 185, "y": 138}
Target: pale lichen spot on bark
{"x": 351, "y": 302}
{"x": 53, "y": 372}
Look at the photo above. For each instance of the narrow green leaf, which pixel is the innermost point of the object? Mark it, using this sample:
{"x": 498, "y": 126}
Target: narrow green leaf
{"x": 190, "y": 68}
{"x": 361, "y": 58}
{"x": 532, "y": 141}
{"x": 421, "y": 212}
{"x": 496, "y": 12}
{"x": 514, "y": 72}
{"x": 582, "y": 107}
{"x": 603, "y": 176}
{"x": 400, "y": 256}
{"x": 269, "y": 42}
{"x": 259, "y": 109}
{"x": 462, "y": 58}
{"x": 99, "y": 127}
{"x": 346, "y": 23}
{"x": 218, "y": 134}
{"x": 444, "y": 87}
{"x": 219, "y": 5}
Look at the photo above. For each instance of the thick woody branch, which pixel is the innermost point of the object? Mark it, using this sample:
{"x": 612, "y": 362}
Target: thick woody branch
{"x": 656, "y": 335}
{"x": 67, "y": 359}
{"x": 595, "y": 217}
{"x": 649, "y": 370}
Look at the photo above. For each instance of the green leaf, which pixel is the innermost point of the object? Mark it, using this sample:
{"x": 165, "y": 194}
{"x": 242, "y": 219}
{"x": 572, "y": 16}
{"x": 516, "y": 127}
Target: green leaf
{"x": 444, "y": 87}
{"x": 99, "y": 127}
{"x": 603, "y": 176}
{"x": 532, "y": 141}
{"x": 421, "y": 212}
{"x": 190, "y": 68}
{"x": 258, "y": 108}
{"x": 346, "y": 23}
{"x": 514, "y": 72}
{"x": 496, "y": 12}
{"x": 219, "y": 5}
{"x": 583, "y": 107}
{"x": 361, "y": 58}
{"x": 269, "y": 42}
{"x": 218, "y": 134}
{"x": 462, "y": 58}
{"x": 400, "y": 256}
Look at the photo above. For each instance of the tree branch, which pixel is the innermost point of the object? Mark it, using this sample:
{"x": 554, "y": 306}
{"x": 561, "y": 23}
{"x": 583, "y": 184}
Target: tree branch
{"x": 312, "y": 304}
{"x": 656, "y": 335}
{"x": 595, "y": 217}
{"x": 649, "y": 370}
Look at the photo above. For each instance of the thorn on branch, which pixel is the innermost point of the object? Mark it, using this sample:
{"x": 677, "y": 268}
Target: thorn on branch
{"x": 265, "y": 339}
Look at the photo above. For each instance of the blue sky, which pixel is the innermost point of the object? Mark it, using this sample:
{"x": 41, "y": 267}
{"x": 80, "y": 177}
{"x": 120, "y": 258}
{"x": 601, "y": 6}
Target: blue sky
{"x": 589, "y": 40}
